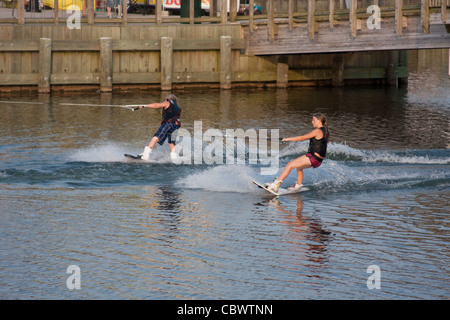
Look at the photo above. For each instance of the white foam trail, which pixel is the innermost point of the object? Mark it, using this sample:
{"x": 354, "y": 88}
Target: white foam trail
{"x": 108, "y": 152}
{"x": 223, "y": 178}
{"x": 343, "y": 150}
{"x": 114, "y": 152}
{"x": 336, "y": 173}
{"x": 300, "y": 148}
{"x": 411, "y": 159}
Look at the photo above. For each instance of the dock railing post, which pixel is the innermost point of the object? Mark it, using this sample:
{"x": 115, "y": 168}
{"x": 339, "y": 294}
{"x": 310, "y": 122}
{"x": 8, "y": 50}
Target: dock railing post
{"x": 56, "y": 11}
{"x": 124, "y": 12}
{"x": 271, "y": 19}
{"x": 291, "y": 14}
{"x": 353, "y": 20}
{"x": 45, "y": 65}
{"x": 225, "y": 62}
{"x": 191, "y": 11}
{"x": 233, "y": 10}
{"x": 90, "y": 11}
{"x": 331, "y": 15}
{"x": 399, "y": 16}
{"x": 250, "y": 15}
{"x": 425, "y": 15}
{"x": 223, "y": 11}
{"x": 158, "y": 12}
{"x": 21, "y": 12}
{"x": 106, "y": 64}
{"x": 444, "y": 11}
{"x": 166, "y": 63}
{"x": 213, "y": 8}
{"x": 311, "y": 18}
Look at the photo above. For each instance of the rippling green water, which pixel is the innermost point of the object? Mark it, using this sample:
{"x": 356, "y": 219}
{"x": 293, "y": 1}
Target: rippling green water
{"x": 203, "y": 231}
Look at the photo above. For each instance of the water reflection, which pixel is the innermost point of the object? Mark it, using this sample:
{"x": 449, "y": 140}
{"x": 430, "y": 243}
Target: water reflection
{"x": 169, "y": 201}
{"x": 166, "y": 200}
{"x": 304, "y": 231}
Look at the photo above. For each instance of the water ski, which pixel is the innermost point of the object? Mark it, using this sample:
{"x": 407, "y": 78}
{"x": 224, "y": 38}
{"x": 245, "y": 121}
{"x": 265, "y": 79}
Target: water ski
{"x": 281, "y": 191}
{"x": 138, "y": 157}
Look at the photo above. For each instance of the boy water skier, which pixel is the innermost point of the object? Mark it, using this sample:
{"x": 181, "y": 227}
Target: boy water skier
{"x": 170, "y": 122}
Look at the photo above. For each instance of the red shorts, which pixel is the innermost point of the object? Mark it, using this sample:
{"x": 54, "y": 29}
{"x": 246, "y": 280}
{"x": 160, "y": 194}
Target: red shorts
{"x": 314, "y": 162}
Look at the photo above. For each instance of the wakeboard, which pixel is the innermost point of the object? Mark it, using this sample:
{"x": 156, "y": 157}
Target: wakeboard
{"x": 281, "y": 191}
{"x": 138, "y": 157}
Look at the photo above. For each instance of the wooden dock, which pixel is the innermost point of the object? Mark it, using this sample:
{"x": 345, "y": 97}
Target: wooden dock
{"x": 403, "y": 27}
{"x": 323, "y": 43}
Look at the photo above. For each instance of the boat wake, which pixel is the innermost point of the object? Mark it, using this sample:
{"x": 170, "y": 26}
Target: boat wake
{"x": 346, "y": 169}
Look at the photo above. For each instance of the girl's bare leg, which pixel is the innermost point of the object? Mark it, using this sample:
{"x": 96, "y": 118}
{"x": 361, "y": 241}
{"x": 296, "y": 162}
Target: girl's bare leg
{"x": 299, "y": 176}
{"x": 299, "y": 164}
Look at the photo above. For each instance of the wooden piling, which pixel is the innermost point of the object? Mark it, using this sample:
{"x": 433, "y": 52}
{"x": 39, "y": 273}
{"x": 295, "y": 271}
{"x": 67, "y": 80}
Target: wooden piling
{"x": 282, "y": 73}
{"x": 106, "y": 64}
{"x": 225, "y": 62}
{"x": 392, "y": 68}
{"x": 337, "y": 70}
{"x": 403, "y": 63}
{"x": 45, "y": 65}
{"x": 166, "y": 63}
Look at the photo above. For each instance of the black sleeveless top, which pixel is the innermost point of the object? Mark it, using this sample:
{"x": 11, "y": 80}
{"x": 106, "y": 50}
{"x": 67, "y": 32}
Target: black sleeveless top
{"x": 319, "y": 145}
{"x": 172, "y": 113}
